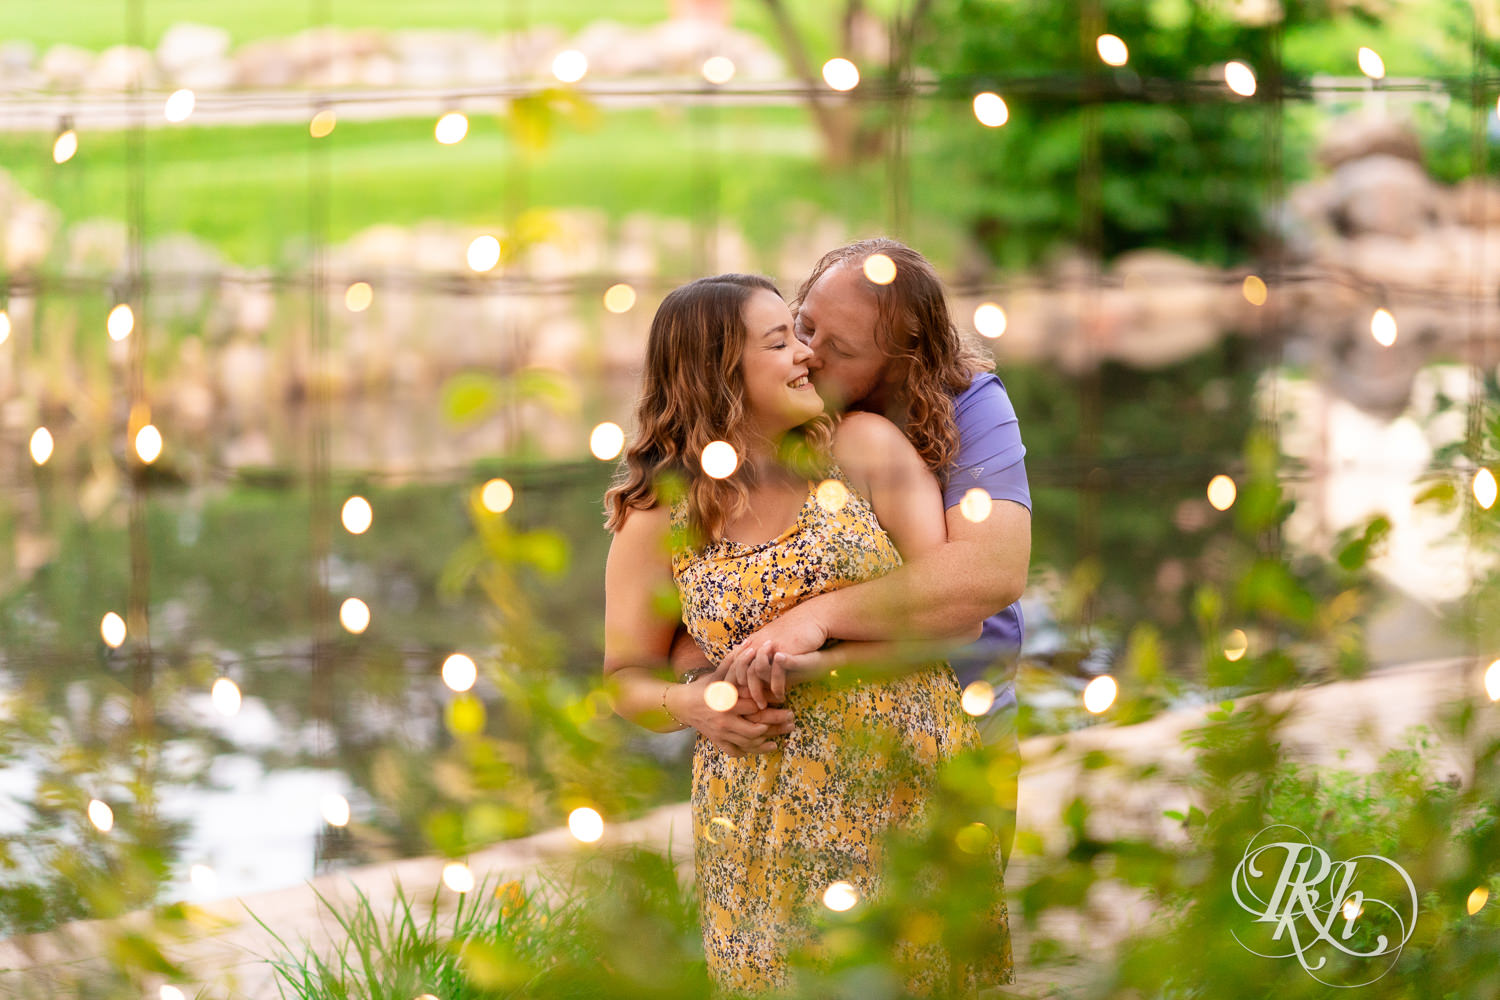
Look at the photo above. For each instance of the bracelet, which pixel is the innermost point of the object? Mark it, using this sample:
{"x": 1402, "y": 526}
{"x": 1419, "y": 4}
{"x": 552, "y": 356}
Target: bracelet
{"x": 691, "y": 675}
{"x": 680, "y": 724}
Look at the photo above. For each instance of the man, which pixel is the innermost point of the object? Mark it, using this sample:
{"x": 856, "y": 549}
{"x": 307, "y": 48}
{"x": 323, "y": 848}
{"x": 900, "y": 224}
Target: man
{"x": 892, "y": 348}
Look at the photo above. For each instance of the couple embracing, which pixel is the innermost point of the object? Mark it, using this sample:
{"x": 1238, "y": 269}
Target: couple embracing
{"x": 838, "y": 545}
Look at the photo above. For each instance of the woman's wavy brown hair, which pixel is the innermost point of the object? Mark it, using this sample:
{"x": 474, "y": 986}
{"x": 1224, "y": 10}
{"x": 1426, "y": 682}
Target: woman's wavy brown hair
{"x": 913, "y": 325}
{"x": 692, "y": 393}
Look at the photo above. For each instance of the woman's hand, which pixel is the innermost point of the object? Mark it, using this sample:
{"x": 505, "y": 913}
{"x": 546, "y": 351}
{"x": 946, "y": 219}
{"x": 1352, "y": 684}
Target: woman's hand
{"x": 744, "y": 728}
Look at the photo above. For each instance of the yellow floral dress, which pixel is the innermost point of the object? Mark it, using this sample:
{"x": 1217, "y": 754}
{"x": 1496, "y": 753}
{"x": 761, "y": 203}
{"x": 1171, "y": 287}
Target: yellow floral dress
{"x": 773, "y": 831}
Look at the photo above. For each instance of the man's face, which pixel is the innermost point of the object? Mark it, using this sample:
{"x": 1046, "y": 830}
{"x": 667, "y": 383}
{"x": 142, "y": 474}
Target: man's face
{"x": 837, "y": 320}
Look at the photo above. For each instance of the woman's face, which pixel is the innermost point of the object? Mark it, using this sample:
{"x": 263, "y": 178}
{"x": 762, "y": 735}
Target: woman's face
{"x": 778, "y": 393}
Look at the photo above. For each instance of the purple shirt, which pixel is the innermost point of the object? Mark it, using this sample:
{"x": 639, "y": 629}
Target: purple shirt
{"x": 992, "y": 458}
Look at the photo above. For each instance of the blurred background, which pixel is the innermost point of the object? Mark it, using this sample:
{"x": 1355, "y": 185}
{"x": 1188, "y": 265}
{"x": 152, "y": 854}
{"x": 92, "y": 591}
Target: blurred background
{"x": 317, "y": 322}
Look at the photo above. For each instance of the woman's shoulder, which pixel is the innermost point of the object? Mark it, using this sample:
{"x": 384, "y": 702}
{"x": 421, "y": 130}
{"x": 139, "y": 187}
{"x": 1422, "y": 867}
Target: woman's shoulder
{"x": 644, "y": 525}
{"x": 858, "y": 430}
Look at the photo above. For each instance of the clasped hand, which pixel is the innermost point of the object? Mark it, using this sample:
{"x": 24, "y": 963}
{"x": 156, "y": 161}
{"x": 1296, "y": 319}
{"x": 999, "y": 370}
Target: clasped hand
{"x": 746, "y": 727}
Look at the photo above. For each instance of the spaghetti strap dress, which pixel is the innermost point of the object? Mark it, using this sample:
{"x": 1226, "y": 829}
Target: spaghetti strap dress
{"x": 773, "y": 831}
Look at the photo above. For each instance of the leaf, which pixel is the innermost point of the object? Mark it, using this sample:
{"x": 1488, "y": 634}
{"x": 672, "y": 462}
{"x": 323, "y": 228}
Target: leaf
{"x": 470, "y": 396}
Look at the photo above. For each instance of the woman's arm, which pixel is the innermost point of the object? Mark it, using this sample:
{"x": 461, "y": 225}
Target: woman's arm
{"x": 638, "y": 640}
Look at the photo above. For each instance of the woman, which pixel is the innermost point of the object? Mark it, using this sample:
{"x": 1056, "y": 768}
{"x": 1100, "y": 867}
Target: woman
{"x": 808, "y": 508}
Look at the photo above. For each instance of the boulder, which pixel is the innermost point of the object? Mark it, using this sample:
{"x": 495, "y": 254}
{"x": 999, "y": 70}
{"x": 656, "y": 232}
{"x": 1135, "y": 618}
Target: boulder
{"x": 65, "y": 67}
{"x": 186, "y": 46}
{"x": 1356, "y": 136}
{"x": 1385, "y": 194}
{"x": 120, "y": 68}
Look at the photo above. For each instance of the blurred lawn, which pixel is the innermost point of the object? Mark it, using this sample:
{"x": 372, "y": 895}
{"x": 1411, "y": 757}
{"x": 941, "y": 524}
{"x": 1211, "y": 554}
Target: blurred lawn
{"x": 245, "y": 189}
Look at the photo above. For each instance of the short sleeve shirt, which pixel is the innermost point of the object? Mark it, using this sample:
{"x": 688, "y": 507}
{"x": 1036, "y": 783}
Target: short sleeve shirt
{"x": 991, "y": 457}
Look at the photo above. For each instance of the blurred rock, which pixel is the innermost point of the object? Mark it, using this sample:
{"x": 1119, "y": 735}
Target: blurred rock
{"x": 65, "y": 67}
{"x": 121, "y": 68}
{"x": 1356, "y": 136}
{"x": 1476, "y": 202}
{"x": 188, "y": 50}
{"x": 97, "y": 247}
{"x": 1384, "y": 194}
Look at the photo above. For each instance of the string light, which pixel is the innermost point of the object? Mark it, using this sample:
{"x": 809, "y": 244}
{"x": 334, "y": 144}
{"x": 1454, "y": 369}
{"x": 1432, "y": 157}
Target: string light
{"x": 1236, "y": 645}
{"x": 586, "y": 825}
{"x": 606, "y": 441}
{"x": 976, "y": 505}
{"x": 357, "y": 515}
{"x": 41, "y": 445}
{"x": 65, "y": 147}
{"x": 570, "y": 66}
{"x": 358, "y": 296}
{"x": 451, "y": 128}
{"x": 990, "y": 109}
{"x": 1383, "y": 327}
{"x": 336, "y": 809}
{"x": 457, "y": 877}
{"x": 497, "y": 496}
{"x": 204, "y": 878}
{"x": 719, "y": 460}
{"x": 718, "y": 69}
{"x": 1222, "y": 492}
{"x": 101, "y": 815}
{"x": 990, "y": 320}
{"x": 1240, "y": 78}
{"x": 1370, "y": 63}
{"x": 841, "y": 74}
{"x": 354, "y": 615}
{"x": 1484, "y": 488}
{"x": 4, "y": 326}
{"x": 148, "y": 443}
{"x": 1113, "y": 50}
{"x": 721, "y": 696}
{"x": 840, "y": 896}
{"x": 1100, "y": 693}
{"x": 322, "y": 123}
{"x": 1492, "y": 681}
{"x": 832, "y": 494}
{"x": 112, "y": 630}
{"x": 179, "y": 106}
{"x": 619, "y": 298}
{"x": 483, "y": 254}
{"x": 880, "y": 269}
{"x": 120, "y": 323}
{"x": 225, "y": 695}
{"x": 1254, "y": 290}
{"x": 171, "y": 993}
{"x": 459, "y": 672}
{"x": 1477, "y": 899}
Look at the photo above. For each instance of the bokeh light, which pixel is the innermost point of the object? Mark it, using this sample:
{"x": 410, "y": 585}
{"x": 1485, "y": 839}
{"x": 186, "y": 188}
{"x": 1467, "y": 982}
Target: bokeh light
{"x": 1221, "y": 492}
{"x": 225, "y": 695}
{"x": 619, "y": 298}
{"x": 1113, "y": 50}
{"x": 120, "y": 322}
{"x": 101, "y": 815}
{"x": 1383, "y": 327}
{"x": 832, "y": 494}
{"x": 1236, "y": 644}
{"x": 204, "y": 878}
{"x": 1492, "y": 681}
{"x": 1351, "y": 909}
{"x": 459, "y": 672}
{"x": 841, "y": 74}
{"x": 880, "y": 269}
{"x": 1477, "y": 899}
{"x": 975, "y": 838}
{"x": 41, "y": 445}
{"x": 606, "y": 440}
{"x": 721, "y": 696}
{"x": 65, "y": 147}
{"x": 586, "y": 824}
{"x": 719, "y": 460}
{"x": 322, "y": 123}
{"x": 336, "y": 809}
{"x": 1254, "y": 290}
{"x": 358, "y": 296}
{"x": 456, "y": 876}
{"x": 357, "y": 515}
{"x": 112, "y": 630}
{"x": 1370, "y": 63}
{"x": 497, "y": 496}
{"x": 451, "y": 128}
{"x": 1100, "y": 693}
{"x": 354, "y": 615}
{"x": 990, "y": 109}
{"x": 171, "y": 993}
{"x": 483, "y": 254}
{"x": 718, "y": 69}
{"x": 1240, "y": 79}
{"x": 990, "y": 320}
{"x": 148, "y": 443}
{"x": 978, "y": 697}
{"x": 1484, "y": 488}
{"x": 4, "y": 326}
{"x": 976, "y": 505}
{"x": 570, "y": 66}
{"x": 179, "y": 106}
{"x": 840, "y": 896}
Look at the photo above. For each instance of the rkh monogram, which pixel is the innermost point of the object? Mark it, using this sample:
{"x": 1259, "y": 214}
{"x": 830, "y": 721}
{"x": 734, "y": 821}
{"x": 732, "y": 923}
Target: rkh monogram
{"x": 1307, "y": 925}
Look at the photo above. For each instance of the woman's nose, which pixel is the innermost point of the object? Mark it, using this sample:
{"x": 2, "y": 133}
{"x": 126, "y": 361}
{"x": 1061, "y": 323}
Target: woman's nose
{"x": 803, "y": 354}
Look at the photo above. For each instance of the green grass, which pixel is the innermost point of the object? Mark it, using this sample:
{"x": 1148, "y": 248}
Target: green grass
{"x": 246, "y": 189}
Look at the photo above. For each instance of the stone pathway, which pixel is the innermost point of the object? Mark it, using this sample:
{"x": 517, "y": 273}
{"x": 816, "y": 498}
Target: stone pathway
{"x": 1364, "y": 717}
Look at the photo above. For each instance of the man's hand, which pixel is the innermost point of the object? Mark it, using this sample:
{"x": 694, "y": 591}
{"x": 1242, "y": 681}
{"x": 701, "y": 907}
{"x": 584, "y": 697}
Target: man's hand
{"x": 768, "y": 672}
{"x": 795, "y": 632}
{"x": 745, "y": 728}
